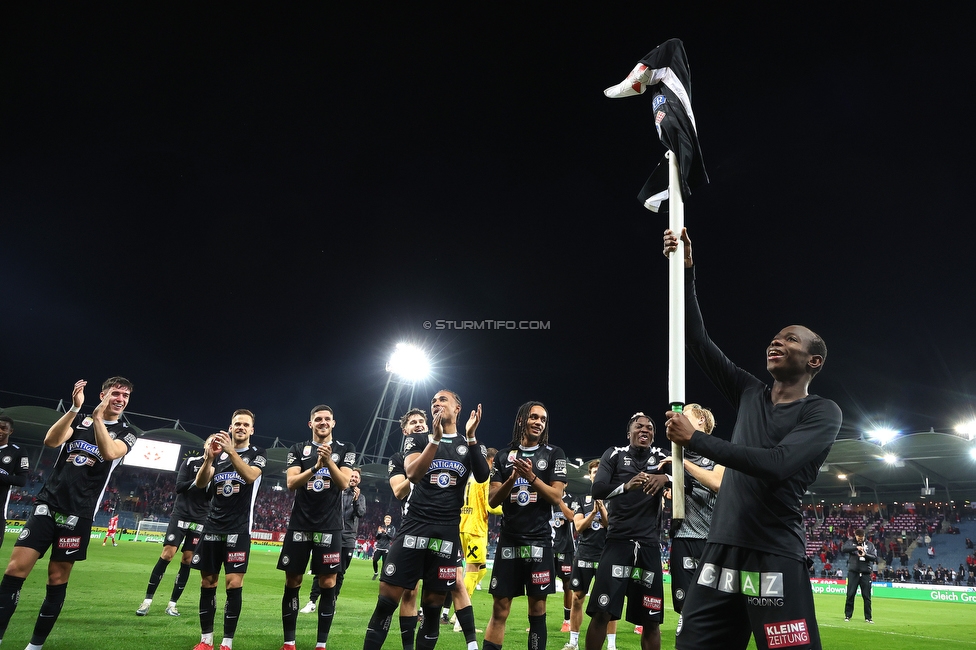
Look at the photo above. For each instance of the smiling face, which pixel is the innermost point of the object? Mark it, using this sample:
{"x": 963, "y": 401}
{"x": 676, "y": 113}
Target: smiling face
{"x": 354, "y": 478}
{"x": 641, "y": 432}
{"x": 789, "y": 353}
{"x": 6, "y": 428}
{"x": 535, "y": 425}
{"x": 416, "y": 423}
{"x": 118, "y": 400}
{"x": 321, "y": 425}
{"x": 241, "y": 428}
{"x": 447, "y": 405}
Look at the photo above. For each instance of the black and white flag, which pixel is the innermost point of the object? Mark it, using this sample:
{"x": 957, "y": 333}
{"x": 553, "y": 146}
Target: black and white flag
{"x": 665, "y": 69}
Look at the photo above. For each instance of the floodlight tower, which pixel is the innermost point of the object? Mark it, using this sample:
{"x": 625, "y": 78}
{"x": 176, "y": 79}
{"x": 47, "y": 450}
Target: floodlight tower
{"x": 407, "y": 366}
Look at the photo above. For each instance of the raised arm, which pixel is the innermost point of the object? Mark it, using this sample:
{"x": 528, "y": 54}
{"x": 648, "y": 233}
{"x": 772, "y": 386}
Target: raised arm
{"x": 479, "y": 462}
{"x": 109, "y": 448}
{"x": 61, "y": 430}
{"x": 206, "y": 471}
{"x": 812, "y": 436}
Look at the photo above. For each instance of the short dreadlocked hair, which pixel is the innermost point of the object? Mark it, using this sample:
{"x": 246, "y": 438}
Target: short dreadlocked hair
{"x": 522, "y": 418}
{"x": 638, "y": 414}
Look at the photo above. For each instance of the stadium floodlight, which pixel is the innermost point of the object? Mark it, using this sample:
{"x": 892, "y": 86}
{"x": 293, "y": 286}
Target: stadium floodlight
{"x": 972, "y": 452}
{"x": 967, "y": 429}
{"x": 893, "y": 460}
{"x": 409, "y": 362}
{"x": 882, "y": 435}
{"x": 842, "y": 477}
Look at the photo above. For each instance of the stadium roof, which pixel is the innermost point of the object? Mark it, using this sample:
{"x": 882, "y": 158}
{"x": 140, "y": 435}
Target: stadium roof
{"x": 944, "y": 459}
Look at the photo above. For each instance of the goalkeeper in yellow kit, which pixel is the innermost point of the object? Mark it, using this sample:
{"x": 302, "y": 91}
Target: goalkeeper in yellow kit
{"x": 474, "y": 529}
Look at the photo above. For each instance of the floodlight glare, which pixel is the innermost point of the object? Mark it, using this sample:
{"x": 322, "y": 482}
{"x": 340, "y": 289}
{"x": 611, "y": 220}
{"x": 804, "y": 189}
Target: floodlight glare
{"x": 882, "y": 436}
{"x": 842, "y": 477}
{"x": 891, "y": 459}
{"x": 972, "y": 452}
{"x": 409, "y": 362}
{"x": 967, "y": 429}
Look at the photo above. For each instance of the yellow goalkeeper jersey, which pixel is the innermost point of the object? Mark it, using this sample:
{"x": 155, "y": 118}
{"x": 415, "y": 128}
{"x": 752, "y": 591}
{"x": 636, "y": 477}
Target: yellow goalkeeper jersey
{"x": 474, "y": 512}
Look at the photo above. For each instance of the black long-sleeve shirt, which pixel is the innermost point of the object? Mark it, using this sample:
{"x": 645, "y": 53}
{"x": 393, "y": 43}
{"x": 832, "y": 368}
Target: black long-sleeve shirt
{"x": 775, "y": 453}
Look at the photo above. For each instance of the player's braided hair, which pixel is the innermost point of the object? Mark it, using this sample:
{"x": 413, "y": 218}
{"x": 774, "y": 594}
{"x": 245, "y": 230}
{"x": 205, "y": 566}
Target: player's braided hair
{"x": 522, "y": 419}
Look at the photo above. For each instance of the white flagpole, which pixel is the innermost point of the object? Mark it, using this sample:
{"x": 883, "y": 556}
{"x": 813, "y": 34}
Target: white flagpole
{"x": 676, "y": 329}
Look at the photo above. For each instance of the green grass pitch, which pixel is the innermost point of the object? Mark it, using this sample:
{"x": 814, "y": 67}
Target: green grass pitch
{"x": 105, "y": 591}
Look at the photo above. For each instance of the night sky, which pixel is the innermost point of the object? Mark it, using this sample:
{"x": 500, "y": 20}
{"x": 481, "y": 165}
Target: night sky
{"x": 249, "y": 209}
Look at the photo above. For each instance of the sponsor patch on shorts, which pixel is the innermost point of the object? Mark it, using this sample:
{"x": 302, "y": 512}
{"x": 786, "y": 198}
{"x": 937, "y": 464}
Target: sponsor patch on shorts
{"x": 541, "y": 578}
{"x": 237, "y": 556}
{"x": 787, "y": 633}
{"x": 69, "y": 542}
{"x": 652, "y": 603}
{"x": 447, "y": 572}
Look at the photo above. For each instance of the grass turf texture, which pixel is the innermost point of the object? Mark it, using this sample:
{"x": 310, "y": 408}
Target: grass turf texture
{"x": 106, "y": 589}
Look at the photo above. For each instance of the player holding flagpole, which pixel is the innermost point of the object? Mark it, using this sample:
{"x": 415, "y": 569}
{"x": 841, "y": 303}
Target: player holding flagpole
{"x": 781, "y": 437}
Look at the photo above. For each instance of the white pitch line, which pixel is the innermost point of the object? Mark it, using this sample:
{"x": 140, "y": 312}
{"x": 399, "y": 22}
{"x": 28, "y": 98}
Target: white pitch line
{"x": 874, "y": 630}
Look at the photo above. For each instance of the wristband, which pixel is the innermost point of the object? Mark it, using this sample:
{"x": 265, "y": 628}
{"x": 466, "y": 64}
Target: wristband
{"x": 433, "y": 442}
{"x": 534, "y": 479}
{"x": 471, "y": 440}
{"x": 75, "y": 409}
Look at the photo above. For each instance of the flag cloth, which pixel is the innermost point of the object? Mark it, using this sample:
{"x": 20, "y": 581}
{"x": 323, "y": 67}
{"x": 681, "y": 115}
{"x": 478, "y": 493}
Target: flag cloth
{"x": 665, "y": 68}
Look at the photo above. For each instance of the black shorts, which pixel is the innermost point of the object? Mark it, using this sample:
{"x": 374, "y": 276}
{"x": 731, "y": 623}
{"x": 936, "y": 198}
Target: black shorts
{"x": 629, "y": 570}
{"x": 685, "y": 554}
{"x": 424, "y": 552}
{"x": 738, "y": 592}
{"x": 583, "y": 573}
{"x": 67, "y": 536}
{"x": 187, "y": 532}
{"x": 325, "y": 549}
{"x": 564, "y": 565}
{"x": 228, "y": 551}
{"x": 522, "y": 569}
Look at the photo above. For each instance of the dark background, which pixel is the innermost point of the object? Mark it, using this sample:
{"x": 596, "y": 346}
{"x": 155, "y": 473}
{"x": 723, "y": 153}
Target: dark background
{"x": 239, "y": 208}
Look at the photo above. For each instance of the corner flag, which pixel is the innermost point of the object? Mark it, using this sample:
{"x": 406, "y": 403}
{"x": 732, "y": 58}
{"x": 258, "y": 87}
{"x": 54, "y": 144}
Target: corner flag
{"x": 666, "y": 68}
